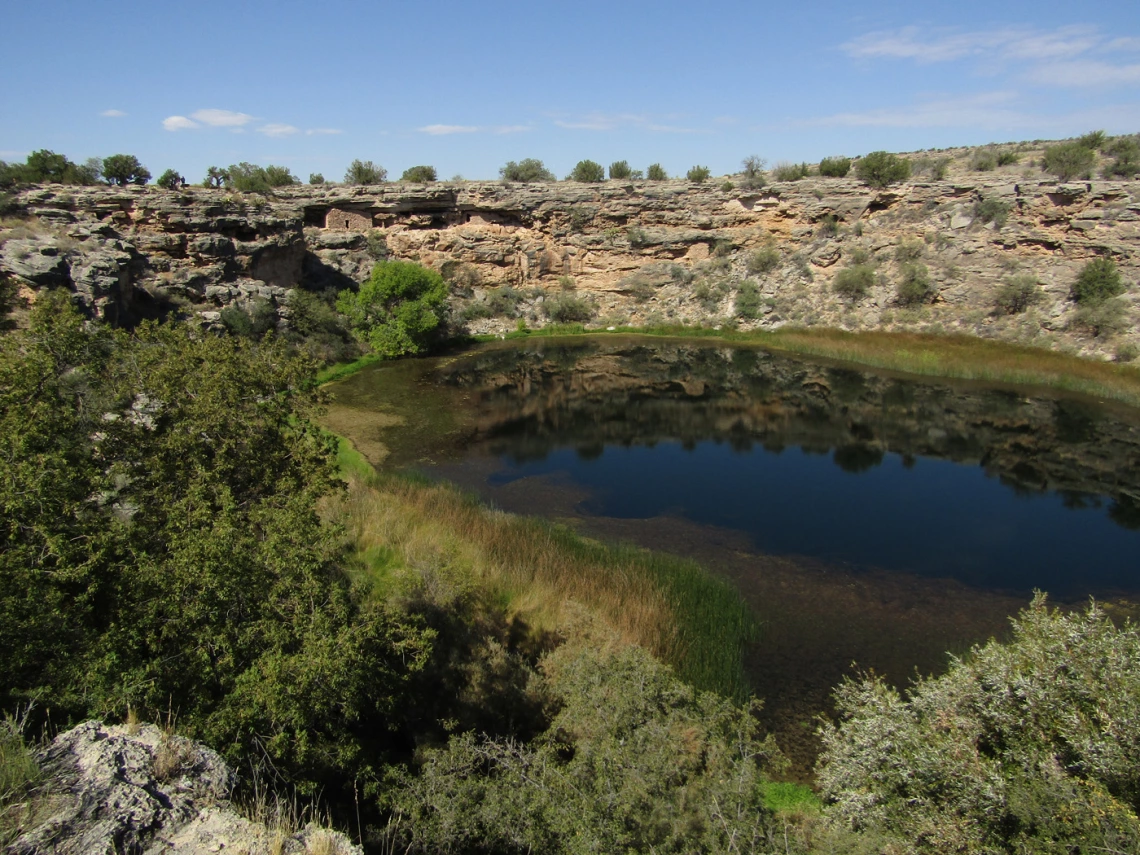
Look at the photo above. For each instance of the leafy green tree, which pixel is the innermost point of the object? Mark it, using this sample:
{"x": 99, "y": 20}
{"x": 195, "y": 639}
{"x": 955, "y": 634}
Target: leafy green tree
{"x": 316, "y": 178}
{"x": 527, "y": 171}
{"x": 698, "y": 174}
{"x": 216, "y": 177}
{"x": 1069, "y": 160}
{"x": 419, "y": 174}
{"x": 251, "y": 178}
{"x": 1098, "y": 280}
{"x": 124, "y": 169}
{"x": 587, "y": 171}
{"x": 620, "y": 169}
{"x": 656, "y": 172}
{"x": 399, "y": 310}
{"x": 365, "y": 172}
{"x": 280, "y": 176}
{"x": 1125, "y": 152}
{"x": 1028, "y": 746}
{"x": 170, "y": 180}
{"x": 881, "y": 169}
{"x": 47, "y": 167}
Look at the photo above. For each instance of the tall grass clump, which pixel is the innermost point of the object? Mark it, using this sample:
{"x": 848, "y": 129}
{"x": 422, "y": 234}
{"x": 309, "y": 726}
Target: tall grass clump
{"x": 19, "y": 772}
{"x": 434, "y": 535}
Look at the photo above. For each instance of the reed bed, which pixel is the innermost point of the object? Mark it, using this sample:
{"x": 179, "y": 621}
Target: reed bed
{"x": 412, "y": 532}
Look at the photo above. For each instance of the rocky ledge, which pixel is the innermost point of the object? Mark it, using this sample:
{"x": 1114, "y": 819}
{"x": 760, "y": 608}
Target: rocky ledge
{"x": 109, "y": 790}
{"x": 619, "y": 252}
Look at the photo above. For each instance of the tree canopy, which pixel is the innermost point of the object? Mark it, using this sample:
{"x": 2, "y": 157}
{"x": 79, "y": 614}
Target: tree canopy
{"x": 399, "y": 310}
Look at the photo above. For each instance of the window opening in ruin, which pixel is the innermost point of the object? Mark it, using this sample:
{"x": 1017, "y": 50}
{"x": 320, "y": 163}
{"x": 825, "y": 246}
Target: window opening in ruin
{"x": 346, "y": 224}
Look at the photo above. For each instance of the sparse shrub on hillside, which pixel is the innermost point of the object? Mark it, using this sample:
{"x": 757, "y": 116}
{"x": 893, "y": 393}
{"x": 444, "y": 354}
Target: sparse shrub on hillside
{"x": 399, "y": 310}
{"x": 377, "y": 245}
{"x": 1098, "y": 280}
{"x": 656, "y": 172}
{"x": 620, "y": 169}
{"x": 419, "y": 174}
{"x": 854, "y": 282}
{"x": 1007, "y": 158}
{"x": 992, "y": 210}
{"x": 637, "y": 236}
{"x": 460, "y": 275}
{"x": 251, "y": 178}
{"x": 1069, "y": 160}
{"x": 747, "y": 304}
{"x": 762, "y": 260}
{"x": 698, "y": 174}
{"x": 827, "y": 226}
{"x": 280, "y": 176}
{"x": 785, "y": 171}
{"x": 526, "y": 171}
{"x": 1028, "y": 746}
{"x": 588, "y": 172}
{"x": 908, "y": 250}
{"x": 568, "y": 309}
{"x": 1125, "y": 153}
{"x": 170, "y": 180}
{"x": 1104, "y": 317}
{"x": 751, "y": 172}
{"x": 365, "y": 172}
{"x": 881, "y": 169}
{"x": 914, "y": 286}
{"x": 580, "y": 218}
{"x": 1017, "y": 294}
{"x": 316, "y": 178}
{"x": 984, "y": 160}
{"x": 124, "y": 169}
{"x": 500, "y": 303}
{"x": 252, "y": 321}
{"x": 835, "y": 167}
{"x": 1093, "y": 140}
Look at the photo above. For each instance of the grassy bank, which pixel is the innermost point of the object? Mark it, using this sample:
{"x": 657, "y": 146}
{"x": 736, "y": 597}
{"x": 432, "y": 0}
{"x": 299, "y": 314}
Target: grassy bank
{"x": 409, "y": 532}
{"x": 952, "y": 356}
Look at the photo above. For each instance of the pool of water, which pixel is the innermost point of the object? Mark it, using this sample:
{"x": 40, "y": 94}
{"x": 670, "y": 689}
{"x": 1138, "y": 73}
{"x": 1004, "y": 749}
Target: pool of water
{"x": 869, "y": 519}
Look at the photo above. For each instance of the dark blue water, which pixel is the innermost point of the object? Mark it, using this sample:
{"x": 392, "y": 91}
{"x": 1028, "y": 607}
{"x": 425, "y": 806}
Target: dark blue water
{"x": 921, "y": 515}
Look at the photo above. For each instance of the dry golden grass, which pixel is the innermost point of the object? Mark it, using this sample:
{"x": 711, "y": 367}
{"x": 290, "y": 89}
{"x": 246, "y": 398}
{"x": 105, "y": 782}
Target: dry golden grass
{"x": 412, "y": 535}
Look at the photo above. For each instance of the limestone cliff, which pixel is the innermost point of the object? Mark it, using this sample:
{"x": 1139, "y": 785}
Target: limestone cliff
{"x": 629, "y": 252}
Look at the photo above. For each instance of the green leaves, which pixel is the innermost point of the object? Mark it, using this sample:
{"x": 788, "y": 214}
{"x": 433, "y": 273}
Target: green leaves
{"x": 398, "y": 310}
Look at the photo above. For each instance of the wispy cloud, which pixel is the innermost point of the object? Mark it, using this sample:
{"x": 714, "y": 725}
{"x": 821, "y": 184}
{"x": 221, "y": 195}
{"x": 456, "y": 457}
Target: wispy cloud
{"x": 222, "y": 118}
{"x": 1085, "y": 73}
{"x": 444, "y": 130}
{"x": 178, "y": 123}
{"x": 278, "y": 130}
{"x": 945, "y": 45}
{"x": 614, "y": 121}
{"x": 511, "y": 129}
{"x": 323, "y": 131}
{"x": 113, "y": 114}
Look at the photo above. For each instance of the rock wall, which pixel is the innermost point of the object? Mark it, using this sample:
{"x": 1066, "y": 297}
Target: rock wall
{"x": 110, "y": 790}
{"x": 621, "y": 252}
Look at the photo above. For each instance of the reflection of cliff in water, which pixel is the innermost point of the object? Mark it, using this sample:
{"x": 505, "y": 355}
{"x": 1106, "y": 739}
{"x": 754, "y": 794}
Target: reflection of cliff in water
{"x": 530, "y": 400}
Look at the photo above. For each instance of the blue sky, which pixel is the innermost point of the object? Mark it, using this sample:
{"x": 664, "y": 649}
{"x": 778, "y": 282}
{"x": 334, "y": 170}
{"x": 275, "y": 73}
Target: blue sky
{"x": 468, "y": 86}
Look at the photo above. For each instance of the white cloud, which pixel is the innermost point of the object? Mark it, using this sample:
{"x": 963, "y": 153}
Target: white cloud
{"x": 222, "y": 118}
{"x": 278, "y": 130}
{"x": 1125, "y": 43}
{"x": 1085, "y": 73}
{"x": 1018, "y": 43}
{"x": 113, "y": 114}
{"x": 613, "y": 121}
{"x": 323, "y": 131}
{"x": 443, "y": 130}
{"x": 988, "y": 110}
{"x": 178, "y": 123}
{"x": 511, "y": 129}
{"x": 12, "y": 153}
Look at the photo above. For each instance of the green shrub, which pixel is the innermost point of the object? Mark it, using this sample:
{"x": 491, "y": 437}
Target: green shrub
{"x": 124, "y": 169}
{"x": 854, "y": 282}
{"x": 47, "y": 167}
{"x": 588, "y": 172}
{"x": 785, "y": 171}
{"x": 637, "y": 236}
{"x": 620, "y": 169}
{"x": 216, "y": 177}
{"x": 881, "y": 169}
{"x": 568, "y": 309}
{"x": 501, "y": 303}
{"x": 1125, "y": 152}
{"x": 656, "y": 172}
{"x": 914, "y": 285}
{"x": 827, "y": 226}
{"x": 633, "y": 760}
{"x": 365, "y": 172}
{"x": 527, "y": 171}
{"x": 762, "y": 260}
{"x": 835, "y": 167}
{"x": 1098, "y": 280}
{"x": 1028, "y": 746}
{"x": 1007, "y": 158}
{"x": 460, "y": 275}
{"x": 1069, "y": 160}
{"x": 253, "y": 321}
{"x": 580, "y": 218}
{"x": 419, "y": 174}
{"x": 1017, "y": 294}
{"x": 316, "y": 178}
{"x": 747, "y": 304}
{"x": 399, "y": 310}
{"x": 377, "y": 246}
{"x": 908, "y": 250}
{"x": 698, "y": 174}
{"x": 984, "y": 160}
{"x": 1103, "y": 317}
{"x": 170, "y": 180}
{"x": 752, "y": 172}
{"x": 992, "y": 210}
{"x": 727, "y": 187}
{"x": 251, "y": 178}
{"x": 1093, "y": 140}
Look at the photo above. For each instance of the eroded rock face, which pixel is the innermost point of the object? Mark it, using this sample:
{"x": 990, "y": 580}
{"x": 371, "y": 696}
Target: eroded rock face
{"x": 112, "y": 791}
{"x": 637, "y": 252}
